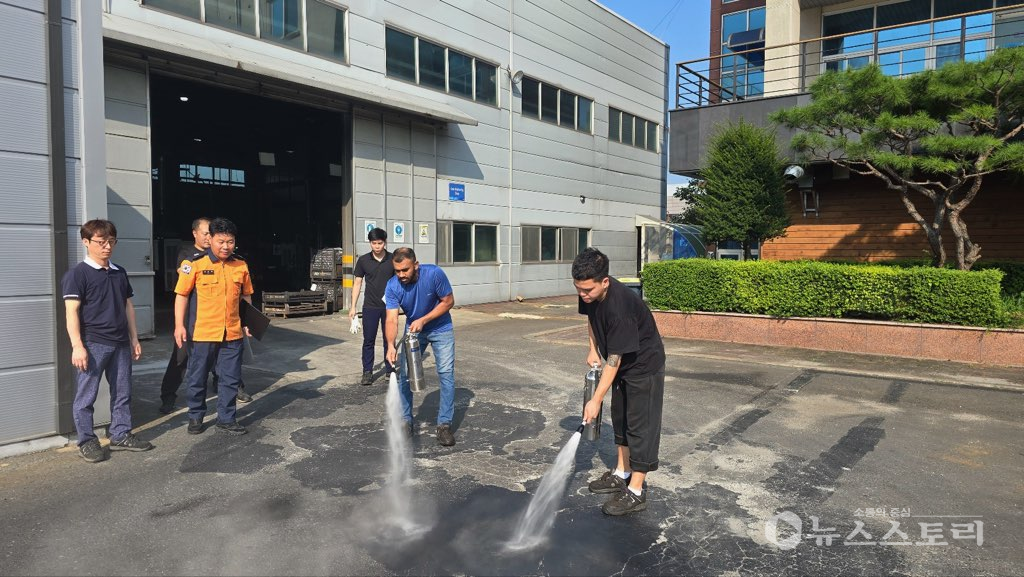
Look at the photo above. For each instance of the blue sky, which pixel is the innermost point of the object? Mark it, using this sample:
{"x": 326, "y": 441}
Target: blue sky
{"x": 682, "y": 24}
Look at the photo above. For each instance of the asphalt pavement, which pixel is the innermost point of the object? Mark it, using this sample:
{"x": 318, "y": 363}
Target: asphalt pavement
{"x": 773, "y": 462}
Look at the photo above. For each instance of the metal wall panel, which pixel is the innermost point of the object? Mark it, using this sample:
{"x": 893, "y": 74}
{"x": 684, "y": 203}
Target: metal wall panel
{"x": 29, "y": 319}
{"x": 28, "y": 397}
{"x": 129, "y": 186}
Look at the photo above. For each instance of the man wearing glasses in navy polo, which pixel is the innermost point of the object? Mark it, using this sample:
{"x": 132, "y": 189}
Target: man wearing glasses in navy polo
{"x": 101, "y": 326}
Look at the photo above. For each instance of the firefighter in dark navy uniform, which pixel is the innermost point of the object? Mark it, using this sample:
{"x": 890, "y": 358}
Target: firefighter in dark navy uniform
{"x": 213, "y": 330}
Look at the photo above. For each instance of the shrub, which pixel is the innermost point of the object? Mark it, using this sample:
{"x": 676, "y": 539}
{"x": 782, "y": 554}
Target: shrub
{"x": 820, "y": 289}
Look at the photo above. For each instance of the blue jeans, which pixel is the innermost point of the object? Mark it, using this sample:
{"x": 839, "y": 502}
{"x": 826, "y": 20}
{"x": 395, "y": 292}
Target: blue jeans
{"x": 116, "y": 362}
{"x": 443, "y": 345}
{"x": 224, "y": 359}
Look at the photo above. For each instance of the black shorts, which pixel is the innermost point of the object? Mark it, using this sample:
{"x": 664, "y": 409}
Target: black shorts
{"x": 636, "y": 418}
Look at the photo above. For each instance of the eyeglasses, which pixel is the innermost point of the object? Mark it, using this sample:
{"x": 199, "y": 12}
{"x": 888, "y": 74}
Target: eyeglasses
{"x": 105, "y": 242}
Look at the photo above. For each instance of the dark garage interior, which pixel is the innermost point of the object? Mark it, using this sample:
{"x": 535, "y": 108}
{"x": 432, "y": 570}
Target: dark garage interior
{"x": 276, "y": 168}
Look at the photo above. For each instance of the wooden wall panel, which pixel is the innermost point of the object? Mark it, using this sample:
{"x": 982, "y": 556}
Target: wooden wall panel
{"x": 862, "y": 221}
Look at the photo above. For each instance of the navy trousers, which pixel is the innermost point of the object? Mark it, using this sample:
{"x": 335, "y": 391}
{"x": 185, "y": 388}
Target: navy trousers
{"x": 374, "y": 319}
{"x": 225, "y": 359}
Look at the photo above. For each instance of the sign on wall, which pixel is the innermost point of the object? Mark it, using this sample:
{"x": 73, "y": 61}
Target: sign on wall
{"x": 456, "y": 191}
{"x": 398, "y": 232}
{"x": 370, "y": 225}
{"x": 424, "y": 236}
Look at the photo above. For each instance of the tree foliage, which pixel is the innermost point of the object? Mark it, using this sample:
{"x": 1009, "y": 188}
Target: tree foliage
{"x": 688, "y": 194}
{"x": 932, "y": 138}
{"x": 742, "y": 196}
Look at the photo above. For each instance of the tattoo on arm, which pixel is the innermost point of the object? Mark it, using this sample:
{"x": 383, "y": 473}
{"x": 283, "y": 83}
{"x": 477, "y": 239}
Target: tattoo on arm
{"x": 613, "y": 360}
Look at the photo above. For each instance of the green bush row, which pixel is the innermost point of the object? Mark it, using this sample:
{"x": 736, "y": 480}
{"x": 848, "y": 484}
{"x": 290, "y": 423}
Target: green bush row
{"x": 1012, "y": 284}
{"x": 820, "y": 289}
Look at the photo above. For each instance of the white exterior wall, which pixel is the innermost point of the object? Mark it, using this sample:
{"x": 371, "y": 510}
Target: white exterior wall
{"x": 576, "y": 45}
{"x": 534, "y": 177}
{"x": 28, "y": 388}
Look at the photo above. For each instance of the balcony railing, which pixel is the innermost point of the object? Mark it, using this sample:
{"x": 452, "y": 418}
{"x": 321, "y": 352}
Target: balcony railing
{"x": 899, "y": 50}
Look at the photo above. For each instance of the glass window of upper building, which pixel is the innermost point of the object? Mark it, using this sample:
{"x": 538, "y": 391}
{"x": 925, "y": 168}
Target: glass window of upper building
{"x": 432, "y": 65}
{"x": 914, "y": 35}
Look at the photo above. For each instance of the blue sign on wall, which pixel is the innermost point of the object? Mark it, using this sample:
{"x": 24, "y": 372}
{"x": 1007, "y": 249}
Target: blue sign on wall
{"x": 456, "y": 191}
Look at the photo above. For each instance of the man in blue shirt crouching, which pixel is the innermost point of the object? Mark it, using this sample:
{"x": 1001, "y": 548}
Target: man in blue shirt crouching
{"x": 424, "y": 293}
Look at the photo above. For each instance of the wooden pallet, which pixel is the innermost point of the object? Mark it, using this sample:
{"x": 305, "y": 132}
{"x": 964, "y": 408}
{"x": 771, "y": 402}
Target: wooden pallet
{"x": 294, "y": 309}
{"x": 294, "y": 297}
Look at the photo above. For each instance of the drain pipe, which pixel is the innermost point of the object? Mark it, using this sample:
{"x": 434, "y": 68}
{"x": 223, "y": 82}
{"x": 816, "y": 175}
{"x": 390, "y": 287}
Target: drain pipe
{"x": 58, "y": 209}
{"x": 511, "y": 88}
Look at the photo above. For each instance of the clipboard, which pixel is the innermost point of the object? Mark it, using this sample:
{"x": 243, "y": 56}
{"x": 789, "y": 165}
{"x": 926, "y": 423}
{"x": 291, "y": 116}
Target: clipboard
{"x": 254, "y": 319}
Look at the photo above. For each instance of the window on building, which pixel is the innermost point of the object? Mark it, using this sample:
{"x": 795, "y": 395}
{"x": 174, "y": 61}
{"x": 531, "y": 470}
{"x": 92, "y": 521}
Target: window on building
{"x": 742, "y": 75}
{"x": 628, "y": 129}
{"x": 466, "y": 242}
{"x": 211, "y": 175}
{"x": 903, "y": 13}
{"x": 400, "y": 49}
{"x": 431, "y": 65}
{"x": 548, "y": 103}
{"x": 615, "y": 125}
{"x": 652, "y": 136}
{"x": 902, "y": 50}
{"x": 628, "y": 122}
{"x": 847, "y": 23}
{"x": 556, "y": 105}
{"x": 188, "y": 8}
{"x": 325, "y": 30}
{"x": 435, "y": 66}
{"x": 460, "y": 74}
{"x": 281, "y": 22}
{"x": 584, "y": 238}
{"x": 315, "y": 26}
{"x": 553, "y": 244}
{"x": 462, "y": 242}
{"x": 531, "y": 97}
{"x": 584, "y": 114}
{"x": 237, "y": 15}
{"x": 486, "y": 80}
{"x": 485, "y": 243}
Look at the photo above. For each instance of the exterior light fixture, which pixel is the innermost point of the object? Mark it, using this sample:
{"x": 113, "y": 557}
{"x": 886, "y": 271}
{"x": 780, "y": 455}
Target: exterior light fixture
{"x": 583, "y": 199}
{"x": 183, "y": 98}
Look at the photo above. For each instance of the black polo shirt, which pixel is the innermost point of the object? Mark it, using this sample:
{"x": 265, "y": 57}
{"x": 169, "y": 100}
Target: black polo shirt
{"x": 103, "y": 293}
{"x": 623, "y": 325}
{"x": 375, "y": 277}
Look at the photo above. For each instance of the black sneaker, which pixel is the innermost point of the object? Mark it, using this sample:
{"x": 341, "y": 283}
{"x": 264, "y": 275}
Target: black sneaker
{"x": 608, "y": 483}
{"x": 92, "y": 451}
{"x": 232, "y": 427}
{"x": 167, "y": 407}
{"x": 625, "y": 502}
{"x": 243, "y": 397}
{"x": 130, "y": 443}
{"x": 445, "y": 438}
{"x": 367, "y": 378}
{"x": 195, "y": 426}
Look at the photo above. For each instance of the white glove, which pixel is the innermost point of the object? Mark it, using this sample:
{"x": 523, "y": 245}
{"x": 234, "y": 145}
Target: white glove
{"x": 357, "y": 326}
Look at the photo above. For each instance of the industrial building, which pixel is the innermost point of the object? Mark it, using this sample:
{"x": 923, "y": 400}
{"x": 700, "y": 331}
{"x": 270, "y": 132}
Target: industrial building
{"x": 496, "y": 137}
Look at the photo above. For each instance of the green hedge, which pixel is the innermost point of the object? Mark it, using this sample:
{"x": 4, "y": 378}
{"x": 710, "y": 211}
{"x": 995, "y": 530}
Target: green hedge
{"x": 1012, "y": 284}
{"x": 819, "y": 289}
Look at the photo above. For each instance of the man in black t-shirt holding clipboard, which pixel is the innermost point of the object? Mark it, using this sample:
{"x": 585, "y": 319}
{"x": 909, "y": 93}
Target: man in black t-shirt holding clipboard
{"x": 623, "y": 332}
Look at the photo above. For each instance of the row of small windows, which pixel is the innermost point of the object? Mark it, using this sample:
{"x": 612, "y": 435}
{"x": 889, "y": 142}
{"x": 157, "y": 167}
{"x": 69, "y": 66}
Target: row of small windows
{"x": 318, "y": 27}
{"x": 434, "y": 66}
{"x": 556, "y": 105}
{"x": 313, "y": 26}
{"x": 628, "y": 129}
{"x": 469, "y": 242}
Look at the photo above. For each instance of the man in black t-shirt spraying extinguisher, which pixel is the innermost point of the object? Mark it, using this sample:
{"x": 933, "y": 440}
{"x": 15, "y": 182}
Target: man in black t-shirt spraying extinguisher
{"x": 623, "y": 332}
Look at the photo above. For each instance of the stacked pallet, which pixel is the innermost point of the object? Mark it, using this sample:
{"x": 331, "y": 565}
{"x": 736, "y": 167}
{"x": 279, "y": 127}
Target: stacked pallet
{"x": 327, "y": 272}
{"x": 294, "y": 303}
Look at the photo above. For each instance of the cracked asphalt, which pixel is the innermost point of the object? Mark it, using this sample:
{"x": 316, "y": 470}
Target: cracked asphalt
{"x": 813, "y": 444}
